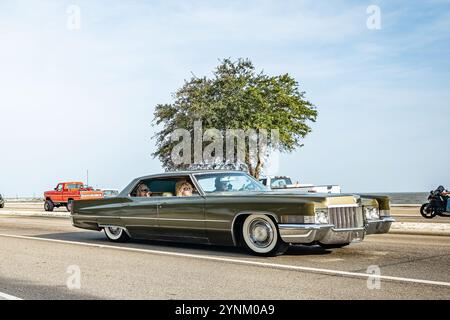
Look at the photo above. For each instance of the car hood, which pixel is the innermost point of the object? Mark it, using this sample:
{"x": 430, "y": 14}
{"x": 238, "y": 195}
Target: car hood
{"x": 327, "y": 199}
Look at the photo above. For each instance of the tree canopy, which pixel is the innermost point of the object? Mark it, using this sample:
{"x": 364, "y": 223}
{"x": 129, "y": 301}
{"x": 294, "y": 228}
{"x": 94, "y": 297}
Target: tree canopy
{"x": 236, "y": 97}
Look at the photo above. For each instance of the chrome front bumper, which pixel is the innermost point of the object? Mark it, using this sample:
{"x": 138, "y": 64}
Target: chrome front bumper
{"x": 379, "y": 226}
{"x": 328, "y": 234}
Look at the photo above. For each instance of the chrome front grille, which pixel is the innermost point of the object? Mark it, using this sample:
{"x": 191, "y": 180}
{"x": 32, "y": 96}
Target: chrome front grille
{"x": 346, "y": 217}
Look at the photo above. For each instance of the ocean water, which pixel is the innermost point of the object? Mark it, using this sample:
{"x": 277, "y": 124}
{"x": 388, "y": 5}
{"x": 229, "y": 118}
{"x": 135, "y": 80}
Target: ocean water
{"x": 406, "y": 197}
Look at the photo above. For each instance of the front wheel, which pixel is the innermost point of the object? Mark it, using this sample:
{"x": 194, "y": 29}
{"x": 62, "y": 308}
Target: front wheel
{"x": 49, "y": 206}
{"x": 261, "y": 237}
{"x": 427, "y": 211}
{"x": 116, "y": 234}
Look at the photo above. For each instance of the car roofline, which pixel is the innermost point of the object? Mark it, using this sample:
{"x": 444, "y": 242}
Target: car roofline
{"x": 125, "y": 192}
{"x": 187, "y": 173}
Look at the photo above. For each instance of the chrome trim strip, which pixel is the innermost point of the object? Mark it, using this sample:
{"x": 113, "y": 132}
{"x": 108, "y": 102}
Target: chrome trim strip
{"x": 147, "y": 218}
{"x": 348, "y": 229}
{"x": 387, "y": 219}
{"x": 305, "y": 226}
{"x": 342, "y": 205}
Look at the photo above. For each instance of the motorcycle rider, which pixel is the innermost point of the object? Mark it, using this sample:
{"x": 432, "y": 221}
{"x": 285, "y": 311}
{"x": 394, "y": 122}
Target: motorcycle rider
{"x": 446, "y": 195}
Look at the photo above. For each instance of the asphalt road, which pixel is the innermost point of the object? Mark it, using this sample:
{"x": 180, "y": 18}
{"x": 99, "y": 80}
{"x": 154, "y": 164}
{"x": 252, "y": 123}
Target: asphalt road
{"x": 40, "y": 258}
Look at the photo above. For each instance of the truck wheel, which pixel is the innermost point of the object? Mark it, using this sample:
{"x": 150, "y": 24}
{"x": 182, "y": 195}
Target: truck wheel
{"x": 69, "y": 205}
{"x": 48, "y": 205}
{"x": 116, "y": 234}
{"x": 261, "y": 237}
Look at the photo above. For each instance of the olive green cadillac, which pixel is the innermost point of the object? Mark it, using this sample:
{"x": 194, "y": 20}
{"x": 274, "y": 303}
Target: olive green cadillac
{"x": 231, "y": 208}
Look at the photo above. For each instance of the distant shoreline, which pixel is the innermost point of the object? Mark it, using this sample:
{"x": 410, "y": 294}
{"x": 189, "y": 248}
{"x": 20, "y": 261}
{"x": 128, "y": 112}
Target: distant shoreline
{"x": 397, "y": 198}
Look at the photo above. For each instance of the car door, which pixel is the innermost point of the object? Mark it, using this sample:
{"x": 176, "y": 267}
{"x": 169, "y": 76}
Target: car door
{"x": 182, "y": 218}
{"x": 140, "y": 217}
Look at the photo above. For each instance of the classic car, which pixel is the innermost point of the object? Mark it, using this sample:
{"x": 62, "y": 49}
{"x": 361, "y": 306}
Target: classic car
{"x": 232, "y": 208}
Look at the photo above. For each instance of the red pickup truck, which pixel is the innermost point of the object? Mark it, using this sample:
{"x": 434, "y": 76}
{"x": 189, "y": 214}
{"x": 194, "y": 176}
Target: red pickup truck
{"x": 66, "y": 192}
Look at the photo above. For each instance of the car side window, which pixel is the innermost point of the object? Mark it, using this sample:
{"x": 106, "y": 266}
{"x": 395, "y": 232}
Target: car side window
{"x": 162, "y": 187}
{"x": 59, "y": 187}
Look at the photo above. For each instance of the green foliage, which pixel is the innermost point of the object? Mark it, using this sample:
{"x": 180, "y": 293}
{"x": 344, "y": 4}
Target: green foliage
{"x": 237, "y": 97}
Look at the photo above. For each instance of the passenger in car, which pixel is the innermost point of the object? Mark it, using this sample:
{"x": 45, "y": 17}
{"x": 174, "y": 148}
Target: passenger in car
{"x": 143, "y": 191}
{"x": 183, "y": 189}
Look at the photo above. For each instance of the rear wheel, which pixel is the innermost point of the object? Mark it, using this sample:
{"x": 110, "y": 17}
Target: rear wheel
{"x": 261, "y": 237}
{"x": 116, "y": 234}
{"x": 427, "y": 211}
{"x": 48, "y": 205}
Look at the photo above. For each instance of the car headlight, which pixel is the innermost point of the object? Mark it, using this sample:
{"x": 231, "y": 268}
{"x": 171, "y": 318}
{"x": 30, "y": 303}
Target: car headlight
{"x": 321, "y": 216}
{"x": 372, "y": 213}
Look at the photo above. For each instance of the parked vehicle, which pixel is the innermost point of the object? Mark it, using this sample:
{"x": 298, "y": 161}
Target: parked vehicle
{"x": 66, "y": 192}
{"x": 109, "y": 193}
{"x": 2, "y": 202}
{"x": 232, "y": 208}
{"x": 437, "y": 204}
{"x": 284, "y": 183}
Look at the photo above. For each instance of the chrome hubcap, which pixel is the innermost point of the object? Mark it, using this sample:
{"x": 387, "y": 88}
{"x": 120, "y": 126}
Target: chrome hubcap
{"x": 261, "y": 233}
{"x": 115, "y": 231}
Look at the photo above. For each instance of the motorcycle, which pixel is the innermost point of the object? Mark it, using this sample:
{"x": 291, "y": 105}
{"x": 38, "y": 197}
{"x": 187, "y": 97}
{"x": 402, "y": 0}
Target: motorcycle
{"x": 437, "y": 204}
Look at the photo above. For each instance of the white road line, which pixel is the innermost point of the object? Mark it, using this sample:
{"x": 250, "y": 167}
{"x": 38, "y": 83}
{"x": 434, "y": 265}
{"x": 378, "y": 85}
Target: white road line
{"x": 4, "y": 296}
{"x": 242, "y": 262}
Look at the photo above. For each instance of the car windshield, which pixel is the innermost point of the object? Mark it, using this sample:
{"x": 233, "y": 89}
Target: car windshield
{"x": 228, "y": 182}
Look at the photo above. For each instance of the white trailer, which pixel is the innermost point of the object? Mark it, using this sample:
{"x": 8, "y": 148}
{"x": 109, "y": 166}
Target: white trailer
{"x": 284, "y": 183}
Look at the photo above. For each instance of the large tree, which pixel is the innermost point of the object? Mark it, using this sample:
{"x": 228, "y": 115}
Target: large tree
{"x": 237, "y": 97}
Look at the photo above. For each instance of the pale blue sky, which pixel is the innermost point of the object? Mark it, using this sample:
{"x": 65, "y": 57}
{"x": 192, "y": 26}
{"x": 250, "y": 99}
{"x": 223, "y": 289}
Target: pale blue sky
{"x": 72, "y": 100}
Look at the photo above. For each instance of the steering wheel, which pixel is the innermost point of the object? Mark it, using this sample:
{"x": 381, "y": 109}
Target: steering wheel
{"x": 247, "y": 187}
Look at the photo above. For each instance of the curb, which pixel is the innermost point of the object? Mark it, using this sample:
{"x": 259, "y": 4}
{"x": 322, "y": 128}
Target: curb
{"x": 34, "y": 214}
{"x": 415, "y": 228}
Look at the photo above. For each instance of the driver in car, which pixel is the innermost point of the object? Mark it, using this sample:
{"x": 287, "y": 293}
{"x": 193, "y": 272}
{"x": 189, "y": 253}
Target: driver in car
{"x": 143, "y": 191}
{"x": 220, "y": 185}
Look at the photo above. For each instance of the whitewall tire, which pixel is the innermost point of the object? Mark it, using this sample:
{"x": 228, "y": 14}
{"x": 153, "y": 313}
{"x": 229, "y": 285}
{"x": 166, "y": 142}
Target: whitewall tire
{"x": 116, "y": 234}
{"x": 260, "y": 236}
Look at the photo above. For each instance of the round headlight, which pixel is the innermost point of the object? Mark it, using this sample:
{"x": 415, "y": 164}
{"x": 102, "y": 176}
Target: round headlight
{"x": 372, "y": 213}
{"x": 321, "y": 216}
